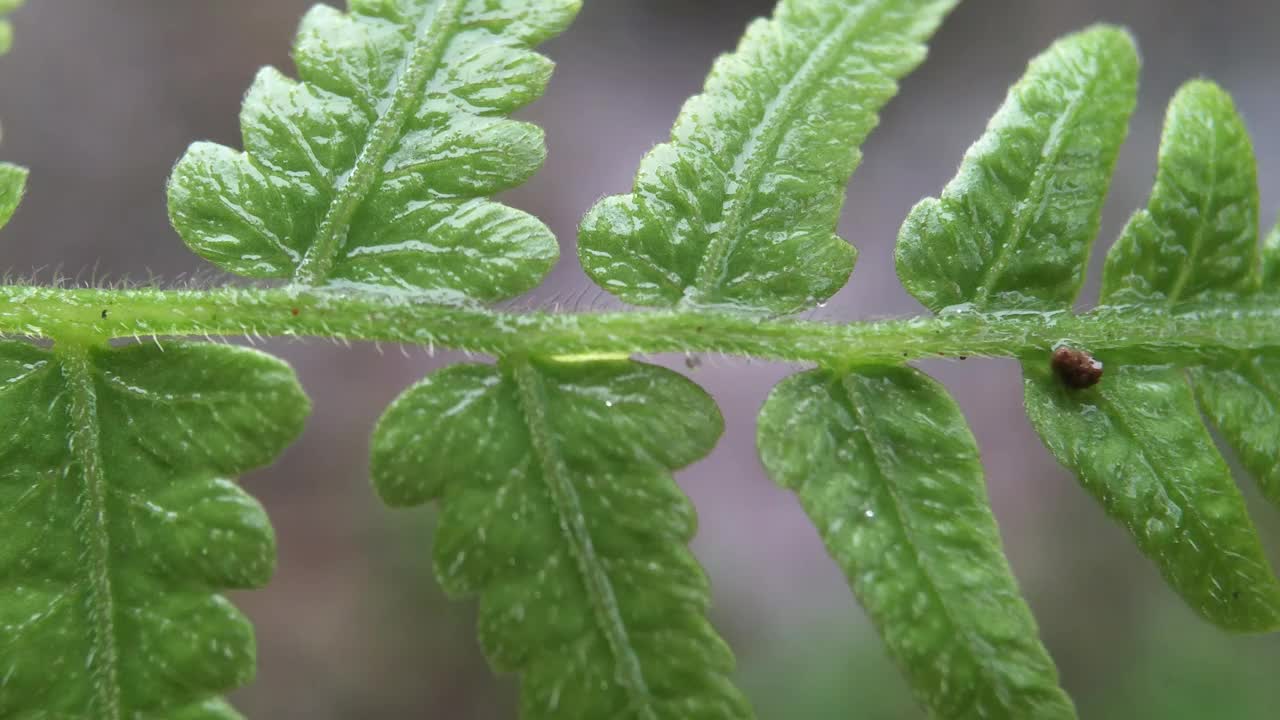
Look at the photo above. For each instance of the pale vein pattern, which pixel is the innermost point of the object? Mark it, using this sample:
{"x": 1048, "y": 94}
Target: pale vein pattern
{"x": 740, "y": 208}
{"x": 122, "y": 520}
{"x": 374, "y": 170}
{"x": 559, "y": 510}
{"x": 888, "y": 472}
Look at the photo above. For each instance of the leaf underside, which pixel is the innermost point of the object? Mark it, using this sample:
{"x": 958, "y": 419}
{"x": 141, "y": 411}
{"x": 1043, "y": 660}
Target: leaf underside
{"x": 559, "y": 510}
{"x": 740, "y": 208}
{"x": 374, "y": 170}
{"x": 123, "y": 520}
{"x": 887, "y": 470}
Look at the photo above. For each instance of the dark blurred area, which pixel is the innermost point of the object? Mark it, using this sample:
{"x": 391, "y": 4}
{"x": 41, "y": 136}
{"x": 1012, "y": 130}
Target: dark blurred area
{"x": 100, "y": 97}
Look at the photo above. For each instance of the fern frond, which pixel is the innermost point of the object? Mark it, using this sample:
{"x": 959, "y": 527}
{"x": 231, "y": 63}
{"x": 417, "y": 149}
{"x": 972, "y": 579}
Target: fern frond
{"x": 740, "y": 208}
{"x": 558, "y": 509}
{"x": 886, "y": 468}
{"x": 1135, "y": 439}
{"x": 374, "y": 170}
{"x": 1014, "y": 228}
{"x": 122, "y": 520}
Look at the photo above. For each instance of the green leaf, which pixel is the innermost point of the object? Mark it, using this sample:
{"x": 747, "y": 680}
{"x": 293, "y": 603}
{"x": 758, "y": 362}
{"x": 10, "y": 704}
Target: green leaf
{"x": 122, "y": 520}
{"x": 374, "y": 170}
{"x": 1197, "y": 239}
{"x": 1138, "y": 445}
{"x": 1242, "y": 394}
{"x": 1242, "y": 397}
{"x": 13, "y": 182}
{"x": 6, "y": 29}
{"x": 740, "y": 208}
{"x": 1039, "y": 177}
{"x": 1271, "y": 262}
{"x": 558, "y": 509}
{"x": 884, "y": 464}
{"x": 1014, "y": 228}
{"x": 1136, "y": 440}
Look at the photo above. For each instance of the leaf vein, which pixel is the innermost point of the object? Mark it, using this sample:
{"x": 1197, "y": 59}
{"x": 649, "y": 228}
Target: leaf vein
{"x": 599, "y": 588}
{"x": 91, "y": 523}
{"x": 765, "y": 139}
{"x": 420, "y": 64}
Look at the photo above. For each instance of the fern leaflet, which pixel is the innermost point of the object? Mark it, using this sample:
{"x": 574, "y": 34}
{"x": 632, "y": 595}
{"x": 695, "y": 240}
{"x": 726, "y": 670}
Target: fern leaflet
{"x": 559, "y": 510}
{"x": 122, "y": 520}
{"x": 888, "y": 471}
{"x": 374, "y": 170}
{"x": 740, "y": 208}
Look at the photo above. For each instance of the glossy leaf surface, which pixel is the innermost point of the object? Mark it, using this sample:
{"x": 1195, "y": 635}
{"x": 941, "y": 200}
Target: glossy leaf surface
{"x": 1197, "y": 239}
{"x": 886, "y": 468}
{"x": 559, "y": 510}
{"x": 740, "y": 208}
{"x": 374, "y": 170}
{"x": 1014, "y": 228}
{"x": 1136, "y": 440}
{"x": 1271, "y": 262}
{"x": 123, "y": 520}
{"x": 13, "y": 181}
{"x": 1242, "y": 394}
{"x": 1138, "y": 445}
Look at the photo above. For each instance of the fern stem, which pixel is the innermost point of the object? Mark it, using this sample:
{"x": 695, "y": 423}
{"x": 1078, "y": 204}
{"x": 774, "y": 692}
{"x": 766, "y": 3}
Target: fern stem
{"x": 1132, "y": 333}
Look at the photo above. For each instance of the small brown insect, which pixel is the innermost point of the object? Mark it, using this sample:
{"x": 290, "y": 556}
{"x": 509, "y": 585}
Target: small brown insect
{"x": 1077, "y": 368}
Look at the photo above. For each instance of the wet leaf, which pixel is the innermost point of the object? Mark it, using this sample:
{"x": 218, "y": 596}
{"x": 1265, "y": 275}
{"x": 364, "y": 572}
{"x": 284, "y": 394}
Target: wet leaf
{"x": 1014, "y": 228}
{"x": 374, "y": 170}
{"x": 1197, "y": 239}
{"x": 740, "y": 208}
{"x": 1136, "y": 440}
{"x": 1013, "y": 232}
{"x": 1242, "y": 394}
{"x": 1138, "y": 445}
{"x": 558, "y": 509}
{"x": 123, "y": 520}
{"x": 886, "y": 468}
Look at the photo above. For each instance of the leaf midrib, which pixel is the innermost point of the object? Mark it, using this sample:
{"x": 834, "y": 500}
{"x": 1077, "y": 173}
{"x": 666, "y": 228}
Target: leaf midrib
{"x": 600, "y": 594}
{"x": 91, "y": 524}
{"x": 764, "y": 139}
{"x": 421, "y": 63}
{"x": 853, "y": 397}
{"x": 1049, "y": 154}
{"x": 1209, "y": 195}
{"x": 1167, "y": 481}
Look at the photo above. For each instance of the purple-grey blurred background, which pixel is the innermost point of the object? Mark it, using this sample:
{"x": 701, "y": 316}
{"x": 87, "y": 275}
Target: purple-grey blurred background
{"x": 100, "y": 97}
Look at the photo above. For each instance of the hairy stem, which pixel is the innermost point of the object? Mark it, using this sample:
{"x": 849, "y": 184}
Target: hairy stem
{"x": 1132, "y": 333}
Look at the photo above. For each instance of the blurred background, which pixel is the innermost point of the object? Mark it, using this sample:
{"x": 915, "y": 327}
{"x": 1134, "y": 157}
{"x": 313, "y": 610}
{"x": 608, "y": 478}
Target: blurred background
{"x": 100, "y": 97}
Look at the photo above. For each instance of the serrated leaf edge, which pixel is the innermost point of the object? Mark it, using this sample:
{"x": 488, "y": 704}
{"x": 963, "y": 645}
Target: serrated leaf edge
{"x": 762, "y": 145}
